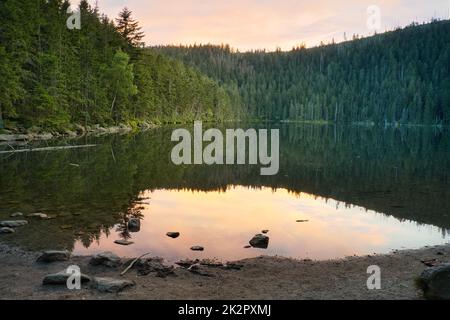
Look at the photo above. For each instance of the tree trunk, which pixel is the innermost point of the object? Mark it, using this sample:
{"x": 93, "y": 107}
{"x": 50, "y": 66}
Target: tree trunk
{"x": 2, "y": 126}
{"x": 112, "y": 105}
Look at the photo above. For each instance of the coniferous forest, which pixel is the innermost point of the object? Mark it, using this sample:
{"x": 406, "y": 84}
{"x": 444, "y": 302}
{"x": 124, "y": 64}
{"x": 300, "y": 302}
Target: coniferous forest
{"x": 54, "y": 77}
{"x": 402, "y": 76}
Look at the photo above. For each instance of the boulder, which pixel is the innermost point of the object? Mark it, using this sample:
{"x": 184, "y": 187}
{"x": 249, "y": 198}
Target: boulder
{"x": 112, "y": 285}
{"x": 260, "y": 241}
{"x": 173, "y": 235}
{"x": 61, "y": 278}
{"x": 197, "y": 248}
{"x": 13, "y": 224}
{"x": 107, "y": 259}
{"x": 53, "y": 256}
{"x": 435, "y": 282}
{"x": 134, "y": 225}
{"x": 123, "y": 242}
{"x": 6, "y": 230}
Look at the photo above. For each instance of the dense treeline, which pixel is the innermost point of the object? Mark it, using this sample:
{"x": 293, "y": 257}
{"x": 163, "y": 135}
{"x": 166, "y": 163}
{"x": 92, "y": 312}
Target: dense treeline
{"x": 53, "y": 77}
{"x": 401, "y": 76}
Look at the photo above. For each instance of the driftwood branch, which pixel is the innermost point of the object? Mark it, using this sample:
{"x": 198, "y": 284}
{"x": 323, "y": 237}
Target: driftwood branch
{"x": 48, "y": 148}
{"x": 133, "y": 263}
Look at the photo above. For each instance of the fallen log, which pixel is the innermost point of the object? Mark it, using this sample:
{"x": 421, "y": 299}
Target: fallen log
{"x": 48, "y": 148}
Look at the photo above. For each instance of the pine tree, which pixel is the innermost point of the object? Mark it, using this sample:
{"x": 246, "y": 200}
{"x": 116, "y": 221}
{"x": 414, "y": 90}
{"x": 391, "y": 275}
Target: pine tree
{"x": 129, "y": 28}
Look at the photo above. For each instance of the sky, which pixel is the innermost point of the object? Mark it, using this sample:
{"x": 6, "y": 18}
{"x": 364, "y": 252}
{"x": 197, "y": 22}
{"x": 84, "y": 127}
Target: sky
{"x": 269, "y": 24}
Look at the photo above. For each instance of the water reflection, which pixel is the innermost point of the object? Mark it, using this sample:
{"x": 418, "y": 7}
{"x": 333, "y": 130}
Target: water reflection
{"x": 224, "y": 222}
{"x": 403, "y": 174}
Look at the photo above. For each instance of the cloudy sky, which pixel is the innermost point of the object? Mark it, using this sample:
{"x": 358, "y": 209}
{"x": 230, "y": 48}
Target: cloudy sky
{"x": 258, "y": 24}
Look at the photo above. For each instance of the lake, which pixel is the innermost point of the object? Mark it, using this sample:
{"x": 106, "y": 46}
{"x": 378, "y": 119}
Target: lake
{"x": 340, "y": 191}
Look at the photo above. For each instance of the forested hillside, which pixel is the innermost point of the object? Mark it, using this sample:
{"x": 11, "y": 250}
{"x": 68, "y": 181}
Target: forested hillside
{"x": 54, "y": 77}
{"x": 401, "y": 76}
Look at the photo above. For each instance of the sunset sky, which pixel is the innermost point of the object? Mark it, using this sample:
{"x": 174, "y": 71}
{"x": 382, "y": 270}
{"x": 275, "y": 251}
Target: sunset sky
{"x": 257, "y": 24}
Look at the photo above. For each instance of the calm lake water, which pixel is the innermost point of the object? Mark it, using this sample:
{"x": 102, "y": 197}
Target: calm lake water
{"x": 361, "y": 190}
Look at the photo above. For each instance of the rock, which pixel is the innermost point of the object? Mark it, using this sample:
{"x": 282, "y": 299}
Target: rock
{"x": 199, "y": 270}
{"x": 39, "y": 215}
{"x": 13, "y": 137}
{"x": 260, "y": 241}
{"x": 6, "y": 230}
{"x": 17, "y": 214}
{"x": 80, "y": 129}
{"x": 66, "y": 226}
{"x": 13, "y": 224}
{"x": 187, "y": 263}
{"x": 247, "y": 247}
{"x": 60, "y": 278}
{"x": 301, "y": 221}
{"x": 211, "y": 263}
{"x": 265, "y": 231}
{"x": 233, "y": 266}
{"x": 112, "y": 285}
{"x": 107, "y": 259}
{"x": 435, "y": 282}
{"x": 134, "y": 225}
{"x": 173, "y": 235}
{"x": 53, "y": 256}
{"x": 197, "y": 248}
{"x": 430, "y": 263}
{"x": 123, "y": 242}
{"x": 154, "y": 265}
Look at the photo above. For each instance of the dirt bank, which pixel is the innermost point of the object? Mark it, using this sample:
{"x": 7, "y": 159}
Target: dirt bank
{"x": 259, "y": 278}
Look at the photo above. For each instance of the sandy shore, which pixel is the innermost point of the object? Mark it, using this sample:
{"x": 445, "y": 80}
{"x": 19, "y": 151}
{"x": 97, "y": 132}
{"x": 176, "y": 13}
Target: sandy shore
{"x": 260, "y": 278}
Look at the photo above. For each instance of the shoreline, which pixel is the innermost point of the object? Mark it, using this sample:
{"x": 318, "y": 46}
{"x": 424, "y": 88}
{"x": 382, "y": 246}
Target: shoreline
{"x": 36, "y": 134}
{"x": 262, "y": 278}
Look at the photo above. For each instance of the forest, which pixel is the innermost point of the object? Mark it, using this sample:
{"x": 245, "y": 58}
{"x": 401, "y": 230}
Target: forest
{"x": 398, "y": 77}
{"x": 53, "y": 77}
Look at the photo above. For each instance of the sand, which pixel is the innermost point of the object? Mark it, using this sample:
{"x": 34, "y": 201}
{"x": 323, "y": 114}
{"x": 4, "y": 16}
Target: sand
{"x": 263, "y": 278}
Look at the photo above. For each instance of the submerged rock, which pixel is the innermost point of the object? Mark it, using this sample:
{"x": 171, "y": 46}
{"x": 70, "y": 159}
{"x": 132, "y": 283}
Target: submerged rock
{"x": 134, "y": 225}
{"x": 197, "y": 248}
{"x": 53, "y": 256}
{"x": 39, "y": 215}
{"x": 107, "y": 259}
{"x": 16, "y": 214}
{"x": 111, "y": 285}
{"x": 123, "y": 242}
{"x": 173, "y": 235}
{"x": 435, "y": 282}
{"x": 260, "y": 241}
{"x": 13, "y": 224}
{"x": 6, "y": 230}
